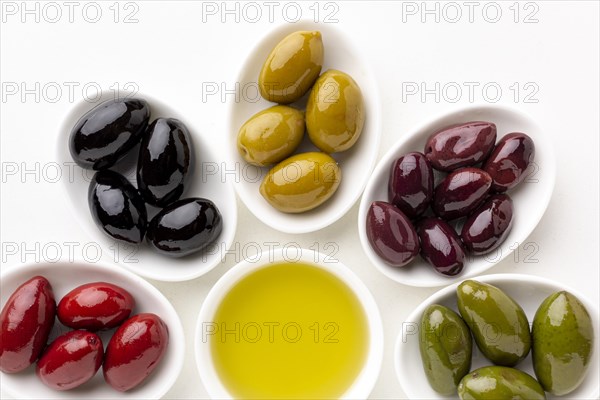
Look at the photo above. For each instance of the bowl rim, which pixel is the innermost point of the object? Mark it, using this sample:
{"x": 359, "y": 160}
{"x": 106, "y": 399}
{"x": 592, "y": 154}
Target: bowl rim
{"x": 366, "y": 379}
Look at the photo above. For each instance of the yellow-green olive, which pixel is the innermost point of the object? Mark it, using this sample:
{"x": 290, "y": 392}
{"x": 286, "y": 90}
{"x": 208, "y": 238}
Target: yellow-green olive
{"x": 335, "y": 113}
{"x": 292, "y": 67}
{"x": 271, "y": 135}
{"x": 301, "y": 182}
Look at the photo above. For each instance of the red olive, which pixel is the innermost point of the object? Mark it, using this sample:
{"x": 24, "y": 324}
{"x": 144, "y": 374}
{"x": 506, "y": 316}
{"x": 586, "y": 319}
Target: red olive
{"x": 134, "y": 351}
{"x": 95, "y": 306}
{"x": 489, "y": 225}
{"x": 70, "y": 360}
{"x": 460, "y": 145}
{"x": 391, "y": 234}
{"x": 25, "y": 323}
{"x": 509, "y": 161}
{"x": 461, "y": 192}
{"x": 411, "y": 184}
{"x": 441, "y": 247}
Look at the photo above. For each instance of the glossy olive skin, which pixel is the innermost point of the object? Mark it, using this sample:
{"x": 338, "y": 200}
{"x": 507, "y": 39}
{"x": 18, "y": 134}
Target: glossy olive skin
{"x": 185, "y": 227}
{"x": 441, "y": 247}
{"x": 461, "y": 192}
{"x": 95, "y": 306}
{"x": 25, "y": 323}
{"x": 335, "y": 112}
{"x": 563, "y": 337}
{"x": 70, "y": 360}
{"x": 301, "y": 182}
{"x": 446, "y": 346}
{"x": 134, "y": 351}
{"x": 292, "y": 67}
{"x": 410, "y": 187}
{"x": 271, "y": 135}
{"x": 391, "y": 234}
{"x": 509, "y": 161}
{"x": 117, "y": 207}
{"x": 103, "y": 135}
{"x": 165, "y": 161}
{"x": 460, "y": 145}
{"x": 499, "y": 325}
{"x": 493, "y": 383}
{"x": 487, "y": 227}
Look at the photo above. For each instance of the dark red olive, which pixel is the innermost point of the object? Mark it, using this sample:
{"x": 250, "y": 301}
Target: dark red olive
{"x": 165, "y": 160}
{"x": 117, "y": 207}
{"x": 461, "y": 192}
{"x": 460, "y": 145}
{"x": 391, "y": 234}
{"x": 95, "y": 306}
{"x": 410, "y": 186}
{"x": 25, "y": 323}
{"x": 70, "y": 360}
{"x": 185, "y": 227}
{"x": 441, "y": 247}
{"x": 488, "y": 226}
{"x": 509, "y": 161}
{"x": 103, "y": 135}
{"x": 134, "y": 351}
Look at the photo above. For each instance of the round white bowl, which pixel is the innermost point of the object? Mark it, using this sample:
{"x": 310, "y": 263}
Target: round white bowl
{"x": 356, "y": 164}
{"x": 366, "y": 379}
{"x": 141, "y": 259}
{"x": 529, "y": 292}
{"x": 66, "y": 276}
{"x": 530, "y": 198}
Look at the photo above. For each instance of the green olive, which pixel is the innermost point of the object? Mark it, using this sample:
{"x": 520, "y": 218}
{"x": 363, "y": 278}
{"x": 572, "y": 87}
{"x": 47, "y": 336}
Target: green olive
{"x": 271, "y": 135}
{"x": 292, "y": 67}
{"x": 301, "y": 182}
{"x": 494, "y": 383}
{"x": 335, "y": 113}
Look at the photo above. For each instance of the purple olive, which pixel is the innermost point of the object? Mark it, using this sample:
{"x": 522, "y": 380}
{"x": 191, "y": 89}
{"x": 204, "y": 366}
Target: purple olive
{"x": 489, "y": 225}
{"x": 461, "y": 192}
{"x": 391, "y": 234}
{"x": 509, "y": 160}
{"x": 410, "y": 186}
{"x": 441, "y": 247}
{"x": 461, "y": 145}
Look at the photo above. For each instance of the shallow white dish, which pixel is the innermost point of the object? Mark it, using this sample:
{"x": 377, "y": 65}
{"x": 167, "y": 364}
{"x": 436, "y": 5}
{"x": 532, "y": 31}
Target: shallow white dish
{"x": 356, "y": 164}
{"x": 66, "y": 276}
{"x": 364, "y": 383}
{"x": 529, "y": 292}
{"x": 141, "y": 259}
{"x": 530, "y": 198}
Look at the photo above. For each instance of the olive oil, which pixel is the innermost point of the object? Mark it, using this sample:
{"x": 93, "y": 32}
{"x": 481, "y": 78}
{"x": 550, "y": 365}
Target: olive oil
{"x": 289, "y": 330}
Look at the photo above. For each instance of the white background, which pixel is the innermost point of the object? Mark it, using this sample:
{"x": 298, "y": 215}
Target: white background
{"x": 171, "y": 53}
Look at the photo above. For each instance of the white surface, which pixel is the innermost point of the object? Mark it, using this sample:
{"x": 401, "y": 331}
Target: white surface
{"x": 172, "y": 54}
{"x": 356, "y": 164}
{"x": 363, "y": 383}
{"x": 529, "y": 292}
{"x": 535, "y": 189}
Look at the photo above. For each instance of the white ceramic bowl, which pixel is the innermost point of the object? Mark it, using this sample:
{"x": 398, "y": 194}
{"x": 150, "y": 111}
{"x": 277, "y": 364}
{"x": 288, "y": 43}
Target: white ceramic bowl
{"x": 141, "y": 259}
{"x": 530, "y": 198}
{"x": 366, "y": 379}
{"x": 529, "y": 291}
{"x": 356, "y": 164}
{"x": 66, "y": 276}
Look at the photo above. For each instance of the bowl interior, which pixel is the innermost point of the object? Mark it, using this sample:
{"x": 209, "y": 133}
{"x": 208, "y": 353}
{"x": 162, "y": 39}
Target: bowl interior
{"x": 530, "y": 198}
{"x": 356, "y": 164}
{"x": 64, "y": 277}
{"x": 528, "y": 292}
{"x": 205, "y": 181}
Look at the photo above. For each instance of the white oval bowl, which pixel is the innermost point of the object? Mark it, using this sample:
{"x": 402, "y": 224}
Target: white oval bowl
{"x": 364, "y": 383}
{"x": 141, "y": 259}
{"x": 356, "y": 164}
{"x": 530, "y": 198}
{"x": 529, "y": 292}
{"x": 65, "y": 277}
